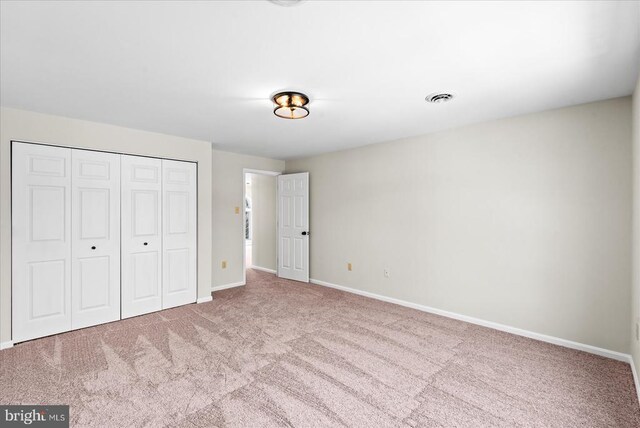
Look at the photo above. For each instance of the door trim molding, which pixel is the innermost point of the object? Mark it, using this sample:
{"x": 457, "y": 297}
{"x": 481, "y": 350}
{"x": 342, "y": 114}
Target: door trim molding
{"x": 6, "y": 345}
{"x": 40, "y": 143}
{"x": 246, "y": 171}
{"x": 204, "y": 299}
{"x": 261, "y": 172}
{"x": 615, "y": 355}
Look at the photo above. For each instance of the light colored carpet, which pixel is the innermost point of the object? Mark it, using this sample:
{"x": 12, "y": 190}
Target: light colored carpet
{"x": 281, "y": 353}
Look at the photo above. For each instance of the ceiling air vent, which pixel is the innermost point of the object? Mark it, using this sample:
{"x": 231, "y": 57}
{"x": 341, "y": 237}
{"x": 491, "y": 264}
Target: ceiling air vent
{"x": 439, "y": 98}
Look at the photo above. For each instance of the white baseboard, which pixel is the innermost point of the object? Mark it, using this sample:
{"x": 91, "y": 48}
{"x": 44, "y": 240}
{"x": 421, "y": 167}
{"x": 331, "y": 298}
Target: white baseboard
{"x": 263, "y": 269}
{"x": 513, "y": 330}
{"x": 6, "y": 345}
{"x": 225, "y": 286}
{"x": 204, "y": 299}
{"x": 635, "y": 376}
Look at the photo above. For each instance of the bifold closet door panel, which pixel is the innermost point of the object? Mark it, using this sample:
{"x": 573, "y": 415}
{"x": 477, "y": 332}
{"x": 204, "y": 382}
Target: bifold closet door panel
{"x": 41, "y": 240}
{"x": 179, "y": 233}
{"x": 95, "y": 249}
{"x": 141, "y": 206}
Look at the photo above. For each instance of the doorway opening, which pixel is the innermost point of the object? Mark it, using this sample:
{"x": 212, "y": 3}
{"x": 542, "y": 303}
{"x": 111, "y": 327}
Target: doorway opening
{"x": 260, "y": 221}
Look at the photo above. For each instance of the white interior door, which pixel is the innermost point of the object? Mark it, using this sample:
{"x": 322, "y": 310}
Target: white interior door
{"x": 293, "y": 226}
{"x": 141, "y": 184}
{"x": 179, "y": 233}
{"x": 95, "y": 250}
{"x": 41, "y": 240}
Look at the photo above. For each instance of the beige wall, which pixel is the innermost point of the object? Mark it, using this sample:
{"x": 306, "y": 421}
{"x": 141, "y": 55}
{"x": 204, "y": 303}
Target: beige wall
{"x": 523, "y": 221}
{"x": 264, "y": 221}
{"x": 34, "y": 127}
{"x": 635, "y": 344}
{"x": 228, "y": 182}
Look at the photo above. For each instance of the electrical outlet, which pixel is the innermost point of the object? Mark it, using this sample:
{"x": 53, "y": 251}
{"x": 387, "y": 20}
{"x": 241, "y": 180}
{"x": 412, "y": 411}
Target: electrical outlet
{"x": 387, "y": 274}
{"x": 349, "y": 267}
{"x": 224, "y": 264}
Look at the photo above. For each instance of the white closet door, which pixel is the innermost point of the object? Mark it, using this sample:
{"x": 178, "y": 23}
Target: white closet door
{"x": 41, "y": 240}
{"x": 179, "y": 234}
{"x": 141, "y": 183}
{"x": 95, "y": 252}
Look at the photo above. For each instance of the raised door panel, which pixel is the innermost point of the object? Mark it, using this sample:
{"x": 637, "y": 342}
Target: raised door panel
{"x": 47, "y": 289}
{"x": 94, "y": 282}
{"x": 141, "y": 235}
{"x": 41, "y": 240}
{"x": 285, "y": 252}
{"x": 179, "y": 233}
{"x": 177, "y": 212}
{"x": 96, "y": 238}
{"x": 144, "y": 272}
{"x": 94, "y": 214}
{"x": 144, "y": 209}
{"x": 177, "y": 264}
{"x": 47, "y": 213}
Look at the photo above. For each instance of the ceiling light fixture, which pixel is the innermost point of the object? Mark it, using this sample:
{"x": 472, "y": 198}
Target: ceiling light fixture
{"x": 291, "y": 105}
{"x": 439, "y": 97}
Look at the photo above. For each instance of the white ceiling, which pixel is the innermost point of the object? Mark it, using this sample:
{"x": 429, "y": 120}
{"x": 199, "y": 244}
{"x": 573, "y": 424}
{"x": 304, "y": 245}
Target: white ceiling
{"x": 206, "y": 70}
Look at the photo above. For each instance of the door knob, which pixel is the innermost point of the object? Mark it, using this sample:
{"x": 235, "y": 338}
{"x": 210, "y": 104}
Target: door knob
{"x": 305, "y": 233}
{"x": 93, "y": 247}
{"x": 145, "y": 243}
